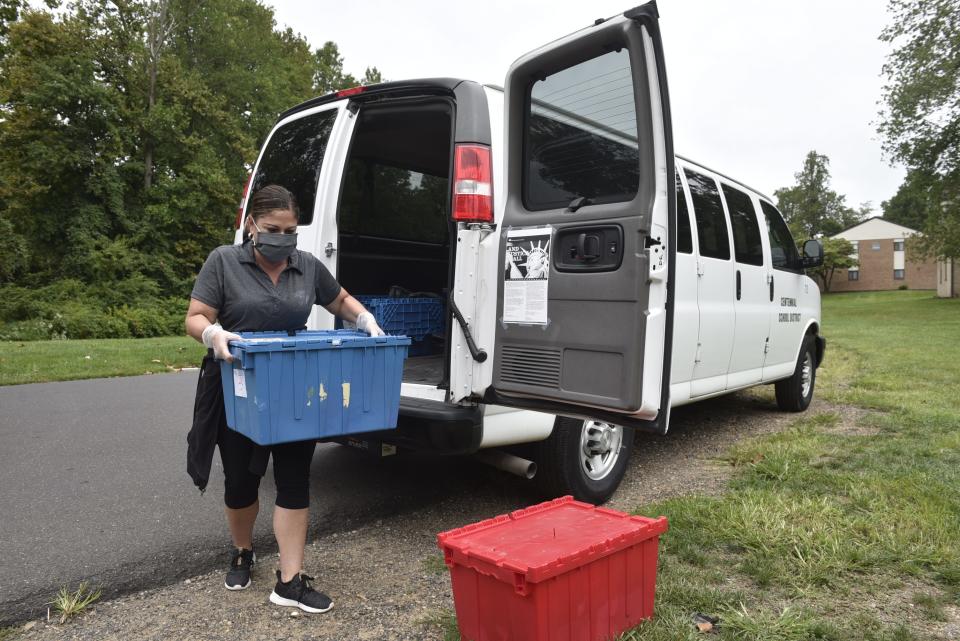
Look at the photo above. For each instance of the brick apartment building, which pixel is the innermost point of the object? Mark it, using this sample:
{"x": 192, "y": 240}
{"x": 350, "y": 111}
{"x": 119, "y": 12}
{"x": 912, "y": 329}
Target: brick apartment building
{"x": 883, "y": 263}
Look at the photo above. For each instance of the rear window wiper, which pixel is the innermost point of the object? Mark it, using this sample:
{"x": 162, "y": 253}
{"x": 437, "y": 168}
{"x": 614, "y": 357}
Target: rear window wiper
{"x": 578, "y": 202}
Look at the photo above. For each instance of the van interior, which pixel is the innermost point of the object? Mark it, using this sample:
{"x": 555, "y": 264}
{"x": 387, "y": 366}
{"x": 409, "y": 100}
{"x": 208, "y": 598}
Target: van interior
{"x": 395, "y": 233}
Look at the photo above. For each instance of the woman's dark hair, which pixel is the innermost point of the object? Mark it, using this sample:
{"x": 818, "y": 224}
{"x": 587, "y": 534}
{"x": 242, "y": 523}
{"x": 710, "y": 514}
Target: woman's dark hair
{"x": 272, "y": 198}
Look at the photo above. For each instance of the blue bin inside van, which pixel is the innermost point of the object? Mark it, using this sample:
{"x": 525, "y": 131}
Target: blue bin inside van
{"x": 315, "y": 384}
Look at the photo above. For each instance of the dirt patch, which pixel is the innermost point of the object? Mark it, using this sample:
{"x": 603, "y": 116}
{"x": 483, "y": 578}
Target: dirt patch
{"x": 853, "y": 422}
{"x": 386, "y": 578}
{"x": 922, "y": 607}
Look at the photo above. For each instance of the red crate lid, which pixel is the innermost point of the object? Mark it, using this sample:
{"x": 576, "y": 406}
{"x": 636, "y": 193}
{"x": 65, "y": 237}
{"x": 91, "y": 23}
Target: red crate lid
{"x": 545, "y": 540}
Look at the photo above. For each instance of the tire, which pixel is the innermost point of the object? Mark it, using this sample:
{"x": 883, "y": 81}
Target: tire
{"x": 563, "y": 467}
{"x": 795, "y": 393}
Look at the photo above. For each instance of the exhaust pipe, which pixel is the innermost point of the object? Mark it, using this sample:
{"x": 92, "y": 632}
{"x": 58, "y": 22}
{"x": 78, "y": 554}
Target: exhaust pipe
{"x": 508, "y": 463}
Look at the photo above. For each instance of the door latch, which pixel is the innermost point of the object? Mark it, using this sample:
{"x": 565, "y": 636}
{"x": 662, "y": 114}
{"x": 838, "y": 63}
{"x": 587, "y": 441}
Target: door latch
{"x": 329, "y": 250}
{"x": 656, "y": 255}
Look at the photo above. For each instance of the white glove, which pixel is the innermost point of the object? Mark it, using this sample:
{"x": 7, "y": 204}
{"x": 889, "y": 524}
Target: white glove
{"x": 367, "y": 323}
{"x": 218, "y": 339}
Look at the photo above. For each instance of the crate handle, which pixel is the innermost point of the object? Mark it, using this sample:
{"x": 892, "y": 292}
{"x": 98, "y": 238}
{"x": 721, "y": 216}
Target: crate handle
{"x": 520, "y": 584}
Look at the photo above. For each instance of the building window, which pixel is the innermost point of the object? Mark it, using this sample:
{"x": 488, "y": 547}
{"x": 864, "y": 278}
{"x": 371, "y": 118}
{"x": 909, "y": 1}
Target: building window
{"x": 876, "y": 245}
{"x": 898, "y": 274}
{"x": 856, "y": 248}
{"x": 853, "y": 274}
{"x": 898, "y": 245}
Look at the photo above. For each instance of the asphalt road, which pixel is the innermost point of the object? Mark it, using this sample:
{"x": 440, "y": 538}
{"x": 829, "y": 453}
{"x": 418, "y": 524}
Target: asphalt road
{"x": 93, "y": 486}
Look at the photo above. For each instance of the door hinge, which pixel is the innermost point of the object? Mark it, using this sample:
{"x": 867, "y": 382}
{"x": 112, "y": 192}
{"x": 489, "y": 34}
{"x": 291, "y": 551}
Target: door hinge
{"x": 766, "y": 345}
{"x": 329, "y": 250}
{"x": 696, "y": 357}
{"x": 699, "y": 268}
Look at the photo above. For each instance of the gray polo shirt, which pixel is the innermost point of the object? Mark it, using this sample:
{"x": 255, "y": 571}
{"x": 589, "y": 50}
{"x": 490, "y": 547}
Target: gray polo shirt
{"x": 246, "y": 299}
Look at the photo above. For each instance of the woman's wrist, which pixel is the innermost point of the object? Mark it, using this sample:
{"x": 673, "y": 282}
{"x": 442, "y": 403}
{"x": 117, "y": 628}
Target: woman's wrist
{"x": 210, "y": 333}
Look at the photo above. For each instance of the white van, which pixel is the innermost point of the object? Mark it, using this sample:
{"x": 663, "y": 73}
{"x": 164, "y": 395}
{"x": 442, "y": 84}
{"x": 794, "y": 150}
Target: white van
{"x": 592, "y": 279}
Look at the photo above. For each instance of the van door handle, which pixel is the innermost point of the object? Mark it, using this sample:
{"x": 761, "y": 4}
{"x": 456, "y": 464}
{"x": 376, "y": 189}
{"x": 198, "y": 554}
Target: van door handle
{"x": 738, "y": 284}
{"x": 588, "y": 247}
{"x": 771, "y": 288}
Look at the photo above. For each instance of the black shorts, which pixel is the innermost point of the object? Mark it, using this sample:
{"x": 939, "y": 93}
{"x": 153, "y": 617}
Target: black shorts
{"x": 291, "y": 471}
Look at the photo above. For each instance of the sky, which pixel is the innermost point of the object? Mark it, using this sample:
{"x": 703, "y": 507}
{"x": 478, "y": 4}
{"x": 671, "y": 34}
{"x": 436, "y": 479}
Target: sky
{"x": 754, "y": 85}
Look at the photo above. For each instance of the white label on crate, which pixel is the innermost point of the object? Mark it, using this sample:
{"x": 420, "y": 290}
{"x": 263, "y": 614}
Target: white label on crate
{"x": 239, "y": 383}
{"x": 346, "y": 394}
{"x": 525, "y": 276}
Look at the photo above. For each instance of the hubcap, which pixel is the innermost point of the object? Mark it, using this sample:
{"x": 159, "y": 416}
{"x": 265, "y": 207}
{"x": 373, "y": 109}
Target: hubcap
{"x": 599, "y": 448}
{"x": 806, "y": 376}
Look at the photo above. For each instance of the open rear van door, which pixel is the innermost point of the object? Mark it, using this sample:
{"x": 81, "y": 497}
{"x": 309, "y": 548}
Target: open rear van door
{"x": 584, "y": 310}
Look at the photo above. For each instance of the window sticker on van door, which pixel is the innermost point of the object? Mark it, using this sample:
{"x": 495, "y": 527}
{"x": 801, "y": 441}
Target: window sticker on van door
{"x": 526, "y": 275}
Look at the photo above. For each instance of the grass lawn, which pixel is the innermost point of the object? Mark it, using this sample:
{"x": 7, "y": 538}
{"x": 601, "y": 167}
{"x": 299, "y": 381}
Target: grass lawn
{"x": 847, "y": 525}
{"x": 42, "y": 361}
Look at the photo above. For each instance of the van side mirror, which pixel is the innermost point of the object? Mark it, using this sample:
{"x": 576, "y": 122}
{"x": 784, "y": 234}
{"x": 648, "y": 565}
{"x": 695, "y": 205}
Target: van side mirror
{"x": 812, "y": 253}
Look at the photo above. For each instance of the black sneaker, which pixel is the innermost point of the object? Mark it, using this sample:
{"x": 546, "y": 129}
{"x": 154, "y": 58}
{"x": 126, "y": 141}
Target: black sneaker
{"x": 298, "y": 593}
{"x": 238, "y": 576}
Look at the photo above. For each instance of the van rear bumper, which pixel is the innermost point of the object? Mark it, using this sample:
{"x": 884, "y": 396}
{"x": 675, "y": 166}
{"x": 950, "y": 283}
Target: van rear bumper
{"x": 436, "y": 426}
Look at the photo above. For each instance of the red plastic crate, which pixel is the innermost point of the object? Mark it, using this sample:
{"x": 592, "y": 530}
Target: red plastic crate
{"x": 558, "y": 571}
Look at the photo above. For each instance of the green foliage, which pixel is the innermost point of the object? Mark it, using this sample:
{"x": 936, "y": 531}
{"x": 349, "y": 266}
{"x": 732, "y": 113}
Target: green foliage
{"x": 920, "y": 121}
{"x": 126, "y": 132}
{"x": 71, "y": 309}
{"x": 810, "y": 207}
{"x": 9, "y": 12}
{"x": 328, "y": 72}
{"x": 912, "y": 202}
{"x": 837, "y": 254}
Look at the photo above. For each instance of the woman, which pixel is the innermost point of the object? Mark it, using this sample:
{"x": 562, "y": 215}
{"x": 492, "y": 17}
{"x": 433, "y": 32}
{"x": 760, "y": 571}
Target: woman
{"x": 266, "y": 284}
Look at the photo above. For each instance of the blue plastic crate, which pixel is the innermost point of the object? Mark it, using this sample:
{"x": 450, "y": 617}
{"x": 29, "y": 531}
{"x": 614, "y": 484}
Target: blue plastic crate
{"x": 409, "y": 316}
{"x": 316, "y": 384}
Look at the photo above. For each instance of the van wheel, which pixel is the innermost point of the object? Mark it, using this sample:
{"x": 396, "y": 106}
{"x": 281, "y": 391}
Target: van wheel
{"x": 584, "y": 458}
{"x": 795, "y": 393}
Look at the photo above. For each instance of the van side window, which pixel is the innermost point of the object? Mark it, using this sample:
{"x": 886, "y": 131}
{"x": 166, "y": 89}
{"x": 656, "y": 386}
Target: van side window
{"x": 684, "y": 237}
{"x": 708, "y": 210}
{"x": 293, "y": 158}
{"x": 581, "y": 135}
{"x": 747, "y": 246}
{"x": 782, "y": 248}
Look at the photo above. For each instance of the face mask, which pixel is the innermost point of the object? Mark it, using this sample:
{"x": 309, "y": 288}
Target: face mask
{"x": 275, "y": 248}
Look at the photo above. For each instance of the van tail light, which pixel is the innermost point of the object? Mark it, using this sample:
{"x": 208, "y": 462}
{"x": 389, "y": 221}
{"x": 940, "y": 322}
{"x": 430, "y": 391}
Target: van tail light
{"x": 243, "y": 202}
{"x": 472, "y": 184}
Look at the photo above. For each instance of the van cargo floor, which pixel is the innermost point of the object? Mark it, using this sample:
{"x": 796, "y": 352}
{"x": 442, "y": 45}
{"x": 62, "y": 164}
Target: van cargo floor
{"x": 423, "y": 369}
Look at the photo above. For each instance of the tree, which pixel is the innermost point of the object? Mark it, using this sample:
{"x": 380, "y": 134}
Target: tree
{"x": 837, "y": 254}
{"x": 9, "y": 12}
{"x": 920, "y": 119}
{"x": 810, "y": 207}
{"x": 135, "y": 122}
{"x": 328, "y": 72}
{"x": 127, "y": 129}
{"x": 913, "y": 200}
{"x": 372, "y": 76}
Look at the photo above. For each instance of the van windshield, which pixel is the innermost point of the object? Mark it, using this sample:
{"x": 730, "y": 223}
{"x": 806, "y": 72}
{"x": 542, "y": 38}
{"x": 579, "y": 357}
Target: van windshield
{"x": 293, "y": 158}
